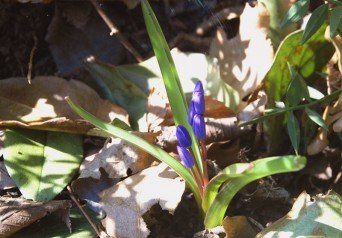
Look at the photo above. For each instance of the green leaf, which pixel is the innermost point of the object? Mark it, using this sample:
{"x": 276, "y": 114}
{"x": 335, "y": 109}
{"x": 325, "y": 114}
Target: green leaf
{"x": 170, "y": 76}
{"x": 336, "y": 21}
{"x": 142, "y": 144}
{"x": 296, "y": 12}
{"x": 230, "y": 172}
{"x": 308, "y": 59}
{"x": 319, "y": 216}
{"x": 261, "y": 168}
{"x": 52, "y": 226}
{"x": 42, "y": 163}
{"x": 315, "y": 22}
{"x": 297, "y": 89}
{"x": 121, "y": 124}
{"x": 119, "y": 90}
{"x": 316, "y": 118}
{"x": 294, "y": 131}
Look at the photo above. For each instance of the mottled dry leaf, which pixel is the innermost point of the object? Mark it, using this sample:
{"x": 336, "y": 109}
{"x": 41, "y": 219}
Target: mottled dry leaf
{"x": 238, "y": 227}
{"x": 126, "y": 202}
{"x": 6, "y": 181}
{"x": 245, "y": 59}
{"x": 309, "y": 217}
{"x": 118, "y": 158}
{"x": 17, "y": 213}
{"x": 41, "y": 105}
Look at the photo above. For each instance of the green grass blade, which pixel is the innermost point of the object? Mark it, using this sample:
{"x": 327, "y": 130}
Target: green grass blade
{"x": 293, "y": 129}
{"x": 170, "y": 76}
{"x": 296, "y": 12}
{"x": 261, "y": 168}
{"x": 316, "y": 118}
{"x": 142, "y": 144}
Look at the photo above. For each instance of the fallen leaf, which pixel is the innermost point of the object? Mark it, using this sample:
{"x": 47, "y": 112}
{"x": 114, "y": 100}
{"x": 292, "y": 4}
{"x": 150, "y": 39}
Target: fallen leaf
{"x": 89, "y": 189}
{"x": 245, "y": 59}
{"x": 6, "y": 181}
{"x": 42, "y": 163}
{"x": 77, "y": 32}
{"x": 41, "y": 105}
{"x": 118, "y": 158}
{"x": 238, "y": 227}
{"x": 17, "y": 213}
{"x": 321, "y": 216}
{"x": 126, "y": 202}
{"x": 147, "y": 75}
{"x": 51, "y": 226}
{"x": 160, "y": 114}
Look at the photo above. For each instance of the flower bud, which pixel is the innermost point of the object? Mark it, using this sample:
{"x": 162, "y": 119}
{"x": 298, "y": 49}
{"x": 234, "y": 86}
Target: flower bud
{"x": 183, "y": 136}
{"x": 185, "y": 156}
{"x": 191, "y": 113}
{"x": 198, "y": 98}
{"x": 198, "y": 125}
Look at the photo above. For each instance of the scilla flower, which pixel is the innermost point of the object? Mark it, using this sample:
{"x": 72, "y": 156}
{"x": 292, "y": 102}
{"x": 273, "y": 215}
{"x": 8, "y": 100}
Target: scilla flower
{"x": 184, "y": 141}
{"x": 196, "y": 111}
{"x": 186, "y": 157}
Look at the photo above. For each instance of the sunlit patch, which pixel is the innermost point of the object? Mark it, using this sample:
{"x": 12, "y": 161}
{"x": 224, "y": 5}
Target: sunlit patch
{"x": 41, "y": 110}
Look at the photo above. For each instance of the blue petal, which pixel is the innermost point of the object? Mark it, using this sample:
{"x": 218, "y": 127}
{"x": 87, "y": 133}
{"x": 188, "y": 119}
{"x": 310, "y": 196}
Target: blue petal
{"x": 198, "y": 126}
{"x": 183, "y": 136}
{"x": 191, "y": 113}
{"x": 198, "y": 98}
{"x": 185, "y": 156}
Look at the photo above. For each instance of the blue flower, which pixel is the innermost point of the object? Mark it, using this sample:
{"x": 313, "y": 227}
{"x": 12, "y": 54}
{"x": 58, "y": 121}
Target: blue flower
{"x": 186, "y": 157}
{"x": 183, "y": 136}
{"x": 198, "y": 125}
{"x": 198, "y": 98}
{"x": 191, "y": 113}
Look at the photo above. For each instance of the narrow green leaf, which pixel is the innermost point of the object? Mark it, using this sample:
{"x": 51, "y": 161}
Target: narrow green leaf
{"x": 295, "y": 13}
{"x": 294, "y": 131}
{"x": 121, "y": 124}
{"x": 42, "y": 163}
{"x": 316, "y": 118}
{"x": 297, "y": 89}
{"x": 232, "y": 171}
{"x": 142, "y": 144}
{"x": 335, "y": 21}
{"x": 315, "y": 22}
{"x": 170, "y": 76}
{"x": 261, "y": 168}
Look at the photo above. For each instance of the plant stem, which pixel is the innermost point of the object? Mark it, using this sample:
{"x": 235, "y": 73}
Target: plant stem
{"x": 198, "y": 180}
{"x": 204, "y": 163}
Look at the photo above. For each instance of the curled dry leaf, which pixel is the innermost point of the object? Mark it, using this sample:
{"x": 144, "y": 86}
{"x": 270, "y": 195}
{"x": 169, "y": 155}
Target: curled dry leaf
{"x": 245, "y": 59}
{"x": 126, "y": 202}
{"x": 17, "y": 213}
{"x": 118, "y": 158}
{"x": 238, "y": 227}
{"x": 41, "y": 105}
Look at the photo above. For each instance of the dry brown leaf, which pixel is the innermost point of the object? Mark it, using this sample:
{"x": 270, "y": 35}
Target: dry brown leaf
{"x": 118, "y": 158}
{"x": 238, "y": 227}
{"x": 245, "y": 59}
{"x": 41, "y": 105}
{"x": 126, "y": 202}
{"x": 6, "y": 181}
{"x": 17, "y": 213}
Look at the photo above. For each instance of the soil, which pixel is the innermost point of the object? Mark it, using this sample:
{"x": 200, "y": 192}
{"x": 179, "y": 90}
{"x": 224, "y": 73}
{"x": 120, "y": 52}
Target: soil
{"x": 264, "y": 201}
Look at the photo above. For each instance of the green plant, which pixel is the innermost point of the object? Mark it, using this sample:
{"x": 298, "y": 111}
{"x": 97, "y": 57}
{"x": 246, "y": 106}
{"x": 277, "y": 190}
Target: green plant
{"x": 318, "y": 17}
{"x": 214, "y": 196}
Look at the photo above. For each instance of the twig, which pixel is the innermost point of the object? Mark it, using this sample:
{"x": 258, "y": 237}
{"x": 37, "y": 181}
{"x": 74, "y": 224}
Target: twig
{"x": 114, "y": 30}
{"x": 74, "y": 199}
{"x": 216, "y": 18}
{"x": 30, "y": 64}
